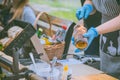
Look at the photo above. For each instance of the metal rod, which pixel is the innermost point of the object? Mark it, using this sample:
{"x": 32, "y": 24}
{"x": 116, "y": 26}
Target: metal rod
{"x": 15, "y": 62}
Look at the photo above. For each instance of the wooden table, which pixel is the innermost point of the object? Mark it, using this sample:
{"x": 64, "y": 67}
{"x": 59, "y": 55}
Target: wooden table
{"x": 94, "y": 77}
{"x": 85, "y": 72}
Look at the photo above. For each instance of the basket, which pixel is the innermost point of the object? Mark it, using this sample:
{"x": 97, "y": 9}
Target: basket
{"x": 55, "y": 49}
{"x": 27, "y": 33}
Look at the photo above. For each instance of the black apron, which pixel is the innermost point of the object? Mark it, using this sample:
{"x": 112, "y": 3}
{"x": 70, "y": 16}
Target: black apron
{"x": 110, "y": 42}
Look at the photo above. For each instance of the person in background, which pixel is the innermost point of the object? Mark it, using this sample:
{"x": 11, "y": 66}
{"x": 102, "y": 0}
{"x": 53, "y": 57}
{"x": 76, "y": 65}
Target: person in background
{"x": 27, "y": 13}
{"x": 23, "y": 11}
{"x": 16, "y": 9}
{"x": 20, "y": 10}
{"x": 109, "y": 32}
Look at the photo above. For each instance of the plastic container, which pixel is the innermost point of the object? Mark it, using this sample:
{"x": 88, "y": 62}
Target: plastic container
{"x": 80, "y": 41}
{"x": 44, "y": 70}
{"x": 60, "y": 34}
{"x": 54, "y": 75}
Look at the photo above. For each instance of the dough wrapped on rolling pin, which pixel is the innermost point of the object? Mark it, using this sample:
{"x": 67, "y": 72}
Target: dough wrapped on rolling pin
{"x": 14, "y": 31}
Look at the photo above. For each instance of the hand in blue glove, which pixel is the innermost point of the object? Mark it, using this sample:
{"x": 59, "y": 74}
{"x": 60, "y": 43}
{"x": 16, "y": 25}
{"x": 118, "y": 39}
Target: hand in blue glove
{"x": 90, "y": 34}
{"x": 84, "y": 11}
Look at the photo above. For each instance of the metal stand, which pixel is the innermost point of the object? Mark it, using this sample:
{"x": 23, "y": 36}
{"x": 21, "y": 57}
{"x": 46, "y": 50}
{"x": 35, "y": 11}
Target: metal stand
{"x": 15, "y": 67}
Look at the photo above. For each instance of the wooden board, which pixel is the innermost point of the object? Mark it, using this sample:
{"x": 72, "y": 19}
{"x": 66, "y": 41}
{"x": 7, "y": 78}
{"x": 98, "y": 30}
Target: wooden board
{"x": 39, "y": 48}
{"x": 94, "y": 77}
{"x": 83, "y": 70}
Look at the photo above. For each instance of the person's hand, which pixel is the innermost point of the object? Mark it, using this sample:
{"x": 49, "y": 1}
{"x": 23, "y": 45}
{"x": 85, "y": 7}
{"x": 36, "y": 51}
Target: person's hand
{"x": 84, "y": 11}
{"x": 91, "y": 34}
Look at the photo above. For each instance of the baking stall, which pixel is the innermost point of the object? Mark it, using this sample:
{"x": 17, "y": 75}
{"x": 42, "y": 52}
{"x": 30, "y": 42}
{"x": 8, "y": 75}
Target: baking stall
{"x": 39, "y": 65}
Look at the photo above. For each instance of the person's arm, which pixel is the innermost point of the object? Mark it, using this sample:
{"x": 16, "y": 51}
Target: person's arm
{"x": 28, "y": 15}
{"x": 109, "y": 26}
{"x": 88, "y": 2}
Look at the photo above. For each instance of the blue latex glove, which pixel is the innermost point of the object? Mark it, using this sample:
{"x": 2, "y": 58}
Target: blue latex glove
{"x": 84, "y": 11}
{"x": 91, "y": 34}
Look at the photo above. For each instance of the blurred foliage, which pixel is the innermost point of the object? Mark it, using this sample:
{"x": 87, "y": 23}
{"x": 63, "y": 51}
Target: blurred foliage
{"x": 72, "y": 5}
{"x": 65, "y": 14}
{"x": 59, "y": 3}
